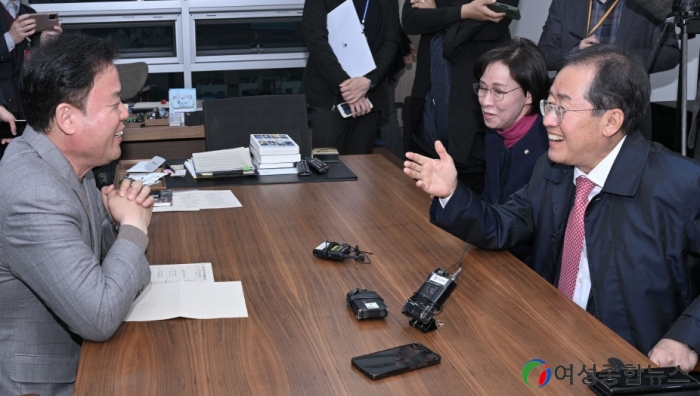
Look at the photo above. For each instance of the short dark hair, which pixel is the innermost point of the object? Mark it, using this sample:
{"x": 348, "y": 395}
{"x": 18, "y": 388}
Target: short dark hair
{"x": 620, "y": 82}
{"x": 62, "y": 70}
{"x": 526, "y": 64}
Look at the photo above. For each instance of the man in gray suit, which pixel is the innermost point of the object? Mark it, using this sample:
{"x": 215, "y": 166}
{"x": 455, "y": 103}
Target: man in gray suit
{"x": 71, "y": 257}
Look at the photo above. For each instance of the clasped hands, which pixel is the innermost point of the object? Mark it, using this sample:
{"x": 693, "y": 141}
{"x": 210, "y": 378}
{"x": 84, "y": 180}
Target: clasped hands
{"x": 131, "y": 204}
{"x": 353, "y": 91}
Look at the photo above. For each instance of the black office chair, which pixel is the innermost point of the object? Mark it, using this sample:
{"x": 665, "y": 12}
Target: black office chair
{"x": 132, "y": 77}
{"x": 228, "y": 123}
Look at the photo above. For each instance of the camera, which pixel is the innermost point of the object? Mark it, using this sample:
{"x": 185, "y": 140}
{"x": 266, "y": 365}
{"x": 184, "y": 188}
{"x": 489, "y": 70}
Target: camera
{"x": 333, "y": 251}
{"x": 429, "y": 299}
{"x": 340, "y": 251}
{"x": 366, "y": 304}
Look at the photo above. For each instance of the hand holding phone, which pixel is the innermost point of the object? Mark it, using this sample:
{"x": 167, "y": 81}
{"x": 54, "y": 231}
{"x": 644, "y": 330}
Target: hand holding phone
{"x": 394, "y": 361}
{"x": 510, "y": 11}
{"x": 45, "y": 20}
{"x": 345, "y": 109}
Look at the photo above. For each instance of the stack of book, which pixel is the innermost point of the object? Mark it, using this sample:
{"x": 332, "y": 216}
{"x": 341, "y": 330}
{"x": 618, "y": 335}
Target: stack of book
{"x": 274, "y": 154}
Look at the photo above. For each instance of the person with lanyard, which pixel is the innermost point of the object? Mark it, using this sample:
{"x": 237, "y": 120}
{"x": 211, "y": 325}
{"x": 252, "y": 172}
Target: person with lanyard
{"x": 326, "y": 85}
{"x": 18, "y": 28}
{"x": 573, "y": 25}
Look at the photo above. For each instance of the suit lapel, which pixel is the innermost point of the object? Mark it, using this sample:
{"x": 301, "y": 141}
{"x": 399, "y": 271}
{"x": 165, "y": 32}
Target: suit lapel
{"x": 562, "y": 191}
{"x": 629, "y": 13}
{"x": 58, "y": 163}
{"x": 580, "y": 17}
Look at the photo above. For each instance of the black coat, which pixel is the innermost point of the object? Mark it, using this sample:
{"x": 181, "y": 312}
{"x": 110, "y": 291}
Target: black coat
{"x": 642, "y": 237}
{"x": 323, "y": 73}
{"x": 465, "y": 41}
{"x": 9, "y": 70}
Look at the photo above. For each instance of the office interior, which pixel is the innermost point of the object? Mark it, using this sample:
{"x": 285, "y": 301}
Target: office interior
{"x": 227, "y": 48}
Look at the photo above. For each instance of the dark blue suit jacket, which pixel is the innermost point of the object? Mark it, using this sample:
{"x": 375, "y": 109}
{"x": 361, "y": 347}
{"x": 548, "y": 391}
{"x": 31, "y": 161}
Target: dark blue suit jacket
{"x": 637, "y": 32}
{"x": 642, "y": 237}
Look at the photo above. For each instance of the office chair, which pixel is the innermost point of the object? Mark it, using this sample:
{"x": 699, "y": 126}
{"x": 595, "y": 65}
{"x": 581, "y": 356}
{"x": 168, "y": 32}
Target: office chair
{"x": 132, "y": 77}
{"x": 228, "y": 123}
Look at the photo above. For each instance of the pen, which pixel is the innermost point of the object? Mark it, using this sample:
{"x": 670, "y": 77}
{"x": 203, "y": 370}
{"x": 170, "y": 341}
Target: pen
{"x": 576, "y": 35}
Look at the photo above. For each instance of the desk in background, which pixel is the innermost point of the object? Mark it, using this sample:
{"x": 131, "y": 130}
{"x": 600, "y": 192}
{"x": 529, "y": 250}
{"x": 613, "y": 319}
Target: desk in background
{"x": 163, "y": 140}
{"x": 300, "y": 336}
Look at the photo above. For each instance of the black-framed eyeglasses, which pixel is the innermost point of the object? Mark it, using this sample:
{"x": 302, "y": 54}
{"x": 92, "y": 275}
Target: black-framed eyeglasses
{"x": 496, "y": 94}
{"x": 557, "y": 111}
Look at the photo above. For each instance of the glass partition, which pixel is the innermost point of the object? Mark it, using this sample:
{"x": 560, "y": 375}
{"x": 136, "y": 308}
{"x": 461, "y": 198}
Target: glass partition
{"x": 248, "y": 36}
{"x": 229, "y": 83}
{"x": 138, "y": 39}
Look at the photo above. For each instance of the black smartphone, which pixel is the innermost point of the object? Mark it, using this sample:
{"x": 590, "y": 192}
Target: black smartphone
{"x": 511, "y": 12}
{"x": 394, "y": 361}
{"x": 5, "y": 131}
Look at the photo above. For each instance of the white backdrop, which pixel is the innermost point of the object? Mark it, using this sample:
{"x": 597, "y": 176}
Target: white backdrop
{"x": 664, "y": 85}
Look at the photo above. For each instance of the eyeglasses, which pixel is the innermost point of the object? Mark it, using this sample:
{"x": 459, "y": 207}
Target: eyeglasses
{"x": 557, "y": 111}
{"x": 496, "y": 94}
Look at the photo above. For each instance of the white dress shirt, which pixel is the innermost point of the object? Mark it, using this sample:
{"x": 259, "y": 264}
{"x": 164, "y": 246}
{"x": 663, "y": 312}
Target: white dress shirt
{"x": 8, "y": 39}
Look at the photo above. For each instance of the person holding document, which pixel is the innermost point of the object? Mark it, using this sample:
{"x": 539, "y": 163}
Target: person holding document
{"x": 326, "y": 84}
{"x": 71, "y": 257}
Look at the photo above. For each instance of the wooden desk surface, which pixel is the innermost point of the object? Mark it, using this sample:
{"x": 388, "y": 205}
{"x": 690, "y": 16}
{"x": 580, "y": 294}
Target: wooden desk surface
{"x": 300, "y": 336}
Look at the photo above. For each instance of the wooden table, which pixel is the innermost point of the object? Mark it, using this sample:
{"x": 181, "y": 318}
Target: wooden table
{"x": 300, "y": 336}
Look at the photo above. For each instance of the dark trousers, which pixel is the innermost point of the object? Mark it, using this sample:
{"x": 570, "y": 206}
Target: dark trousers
{"x": 348, "y": 135}
{"x": 389, "y": 129}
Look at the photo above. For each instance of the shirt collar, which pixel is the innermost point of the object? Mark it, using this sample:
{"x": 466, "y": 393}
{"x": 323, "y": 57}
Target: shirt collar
{"x": 600, "y": 173}
{"x": 6, "y": 2}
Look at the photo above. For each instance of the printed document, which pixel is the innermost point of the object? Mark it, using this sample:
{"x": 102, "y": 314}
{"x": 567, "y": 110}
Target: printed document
{"x": 222, "y": 160}
{"x": 194, "y": 200}
{"x": 189, "y": 291}
{"x": 348, "y": 42}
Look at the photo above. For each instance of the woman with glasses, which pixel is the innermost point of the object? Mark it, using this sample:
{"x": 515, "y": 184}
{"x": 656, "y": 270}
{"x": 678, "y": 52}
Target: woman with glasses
{"x": 512, "y": 82}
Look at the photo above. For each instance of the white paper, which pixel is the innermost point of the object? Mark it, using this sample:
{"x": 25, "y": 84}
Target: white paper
{"x": 147, "y": 166}
{"x": 348, "y": 42}
{"x": 169, "y": 273}
{"x": 195, "y": 200}
{"x": 189, "y": 300}
{"x": 148, "y": 179}
{"x": 222, "y": 160}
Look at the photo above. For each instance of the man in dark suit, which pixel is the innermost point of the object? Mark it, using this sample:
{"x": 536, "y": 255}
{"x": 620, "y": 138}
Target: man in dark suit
{"x": 579, "y": 24}
{"x": 18, "y": 29}
{"x": 326, "y": 84}
{"x": 626, "y": 247}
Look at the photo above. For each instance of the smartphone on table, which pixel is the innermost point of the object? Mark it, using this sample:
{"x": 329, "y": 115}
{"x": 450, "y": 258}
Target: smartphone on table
{"x": 394, "y": 361}
{"x": 346, "y": 111}
{"x": 511, "y": 12}
{"x": 45, "y": 20}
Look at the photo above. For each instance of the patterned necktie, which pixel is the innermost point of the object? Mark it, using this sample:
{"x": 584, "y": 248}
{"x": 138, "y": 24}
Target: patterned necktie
{"x": 574, "y": 236}
{"x": 12, "y": 8}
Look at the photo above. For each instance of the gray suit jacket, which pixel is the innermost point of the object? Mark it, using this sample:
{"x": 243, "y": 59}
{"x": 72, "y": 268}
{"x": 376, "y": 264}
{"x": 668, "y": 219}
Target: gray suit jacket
{"x": 638, "y": 32}
{"x": 65, "y": 275}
